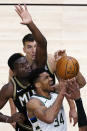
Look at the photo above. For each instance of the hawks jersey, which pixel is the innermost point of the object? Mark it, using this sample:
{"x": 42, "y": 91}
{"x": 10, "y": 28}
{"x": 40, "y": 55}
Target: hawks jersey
{"x": 59, "y": 123}
{"x": 21, "y": 96}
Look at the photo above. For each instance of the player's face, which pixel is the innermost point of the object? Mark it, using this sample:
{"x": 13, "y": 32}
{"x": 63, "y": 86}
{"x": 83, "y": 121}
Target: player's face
{"x": 30, "y": 50}
{"x": 22, "y": 67}
{"x": 45, "y": 81}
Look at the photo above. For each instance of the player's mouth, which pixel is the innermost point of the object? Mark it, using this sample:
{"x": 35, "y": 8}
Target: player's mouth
{"x": 51, "y": 83}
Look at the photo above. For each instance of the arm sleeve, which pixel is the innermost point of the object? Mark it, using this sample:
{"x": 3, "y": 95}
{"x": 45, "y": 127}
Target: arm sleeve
{"x": 82, "y": 119}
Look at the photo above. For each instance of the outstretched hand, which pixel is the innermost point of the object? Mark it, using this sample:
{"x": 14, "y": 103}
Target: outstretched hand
{"x": 73, "y": 116}
{"x": 73, "y": 91}
{"x": 58, "y": 54}
{"x": 24, "y": 14}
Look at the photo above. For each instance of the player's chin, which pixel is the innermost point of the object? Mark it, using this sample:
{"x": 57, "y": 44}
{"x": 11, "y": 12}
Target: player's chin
{"x": 33, "y": 57}
{"x": 51, "y": 88}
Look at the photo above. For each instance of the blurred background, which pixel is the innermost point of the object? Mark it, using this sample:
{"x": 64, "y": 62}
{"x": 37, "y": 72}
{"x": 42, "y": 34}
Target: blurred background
{"x": 65, "y": 27}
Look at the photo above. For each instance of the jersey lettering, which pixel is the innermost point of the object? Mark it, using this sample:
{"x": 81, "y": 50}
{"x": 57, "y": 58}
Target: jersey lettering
{"x": 58, "y": 122}
{"x": 24, "y": 99}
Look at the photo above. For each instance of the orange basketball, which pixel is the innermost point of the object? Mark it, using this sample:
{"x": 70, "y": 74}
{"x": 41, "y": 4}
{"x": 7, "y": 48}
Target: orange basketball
{"x": 67, "y": 67}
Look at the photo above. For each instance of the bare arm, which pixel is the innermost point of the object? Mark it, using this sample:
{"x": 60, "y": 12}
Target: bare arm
{"x": 80, "y": 80}
{"x": 57, "y": 87}
{"x": 72, "y": 112}
{"x": 39, "y": 38}
{"x": 43, "y": 113}
{"x": 12, "y": 106}
{"x": 75, "y": 94}
{"x": 5, "y": 93}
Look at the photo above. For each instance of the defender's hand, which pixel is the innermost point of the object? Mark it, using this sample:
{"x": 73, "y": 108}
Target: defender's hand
{"x": 24, "y": 14}
{"x": 58, "y": 54}
{"x": 73, "y": 116}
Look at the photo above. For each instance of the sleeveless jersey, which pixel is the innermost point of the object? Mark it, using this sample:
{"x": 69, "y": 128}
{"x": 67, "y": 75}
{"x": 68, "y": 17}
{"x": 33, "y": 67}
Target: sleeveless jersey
{"x": 21, "y": 96}
{"x": 59, "y": 123}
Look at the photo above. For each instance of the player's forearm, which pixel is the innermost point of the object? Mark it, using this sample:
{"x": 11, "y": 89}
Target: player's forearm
{"x": 40, "y": 39}
{"x": 53, "y": 111}
{"x": 80, "y": 80}
{"x": 3, "y": 118}
{"x": 12, "y": 106}
{"x": 71, "y": 104}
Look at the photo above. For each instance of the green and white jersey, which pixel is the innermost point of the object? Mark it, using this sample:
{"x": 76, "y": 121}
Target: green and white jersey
{"x": 59, "y": 123}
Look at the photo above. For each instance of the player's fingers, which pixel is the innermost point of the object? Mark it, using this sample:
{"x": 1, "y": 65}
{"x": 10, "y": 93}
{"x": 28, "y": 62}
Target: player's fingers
{"x": 75, "y": 121}
{"x": 68, "y": 95}
{"x": 18, "y": 8}
{"x": 25, "y": 6}
{"x": 70, "y": 118}
{"x": 21, "y": 9}
{"x": 23, "y": 23}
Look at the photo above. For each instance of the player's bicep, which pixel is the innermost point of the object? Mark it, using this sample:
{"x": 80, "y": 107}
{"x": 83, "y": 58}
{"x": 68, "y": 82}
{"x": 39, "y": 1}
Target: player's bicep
{"x": 3, "y": 98}
{"x": 5, "y": 93}
{"x": 39, "y": 112}
{"x": 38, "y": 109}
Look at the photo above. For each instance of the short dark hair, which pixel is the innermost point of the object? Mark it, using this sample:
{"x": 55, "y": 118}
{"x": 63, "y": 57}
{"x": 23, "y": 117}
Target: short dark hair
{"x": 12, "y": 59}
{"x": 35, "y": 74}
{"x": 28, "y": 37}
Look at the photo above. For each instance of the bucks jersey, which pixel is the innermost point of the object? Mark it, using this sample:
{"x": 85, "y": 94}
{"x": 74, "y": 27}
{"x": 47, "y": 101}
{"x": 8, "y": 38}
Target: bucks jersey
{"x": 59, "y": 123}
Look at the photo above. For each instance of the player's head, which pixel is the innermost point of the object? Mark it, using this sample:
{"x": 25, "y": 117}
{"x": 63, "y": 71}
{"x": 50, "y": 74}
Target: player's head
{"x": 19, "y": 65}
{"x": 29, "y": 47}
{"x": 41, "y": 79}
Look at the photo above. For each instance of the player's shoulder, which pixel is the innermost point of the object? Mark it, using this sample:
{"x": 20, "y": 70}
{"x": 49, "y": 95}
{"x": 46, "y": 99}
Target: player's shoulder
{"x": 8, "y": 85}
{"x": 7, "y": 90}
{"x": 33, "y": 103}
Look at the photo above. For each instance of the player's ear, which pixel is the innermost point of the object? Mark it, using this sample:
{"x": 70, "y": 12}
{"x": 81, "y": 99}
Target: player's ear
{"x": 37, "y": 84}
{"x": 24, "y": 49}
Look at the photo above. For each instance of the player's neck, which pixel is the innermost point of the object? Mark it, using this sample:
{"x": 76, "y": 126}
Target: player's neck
{"x": 23, "y": 81}
{"x": 29, "y": 60}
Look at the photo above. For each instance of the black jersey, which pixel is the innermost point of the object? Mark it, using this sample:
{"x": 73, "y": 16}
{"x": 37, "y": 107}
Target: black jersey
{"x": 22, "y": 95}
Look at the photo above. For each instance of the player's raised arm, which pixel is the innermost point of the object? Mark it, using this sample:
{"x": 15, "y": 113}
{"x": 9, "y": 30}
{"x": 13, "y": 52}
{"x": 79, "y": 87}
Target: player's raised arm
{"x": 39, "y": 38}
{"x": 80, "y": 80}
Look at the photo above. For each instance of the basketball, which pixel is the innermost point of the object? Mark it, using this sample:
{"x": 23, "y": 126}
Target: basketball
{"x": 67, "y": 67}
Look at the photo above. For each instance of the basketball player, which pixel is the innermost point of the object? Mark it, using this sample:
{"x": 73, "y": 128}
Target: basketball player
{"x": 18, "y": 89}
{"x": 45, "y": 109}
{"x": 75, "y": 94}
{"x": 34, "y": 43}
{"x": 24, "y": 13}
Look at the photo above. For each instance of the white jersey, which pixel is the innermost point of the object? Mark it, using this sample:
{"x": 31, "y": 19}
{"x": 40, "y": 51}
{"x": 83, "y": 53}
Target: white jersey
{"x": 59, "y": 123}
